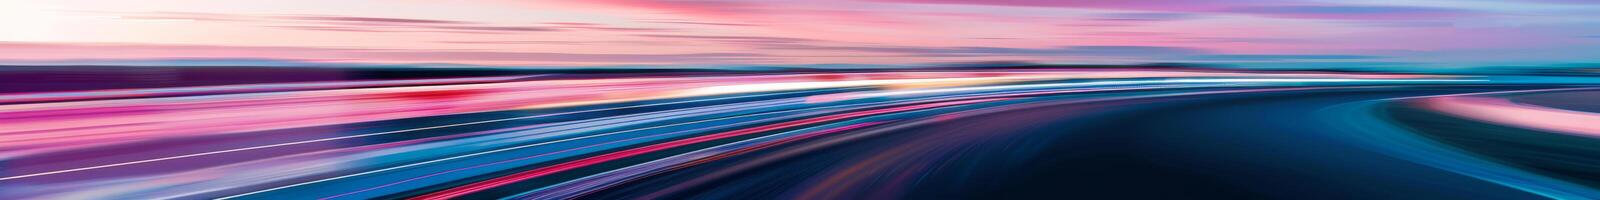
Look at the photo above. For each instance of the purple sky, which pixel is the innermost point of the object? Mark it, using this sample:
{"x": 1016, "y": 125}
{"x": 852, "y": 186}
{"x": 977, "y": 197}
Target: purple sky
{"x": 1263, "y": 33}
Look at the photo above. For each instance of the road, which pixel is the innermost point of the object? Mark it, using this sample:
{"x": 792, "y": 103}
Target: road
{"x": 1029, "y": 135}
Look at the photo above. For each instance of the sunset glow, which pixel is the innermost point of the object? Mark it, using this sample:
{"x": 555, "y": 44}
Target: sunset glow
{"x": 1427, "y": 33}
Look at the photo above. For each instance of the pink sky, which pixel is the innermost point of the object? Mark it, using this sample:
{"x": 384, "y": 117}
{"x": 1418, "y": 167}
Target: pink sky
{"x": 1355, "y": 33}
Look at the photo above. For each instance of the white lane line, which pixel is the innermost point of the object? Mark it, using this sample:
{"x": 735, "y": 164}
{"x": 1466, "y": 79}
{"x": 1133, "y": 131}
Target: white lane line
{"x": 525, "y": 146}
{"x": 362, "y": 135}
{"x": 557, "y": 141}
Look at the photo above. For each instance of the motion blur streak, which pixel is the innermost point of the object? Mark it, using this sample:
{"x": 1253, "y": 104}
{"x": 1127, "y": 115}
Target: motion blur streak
{"x": 1504, "y": 111}
{"x": 907, "y": 134}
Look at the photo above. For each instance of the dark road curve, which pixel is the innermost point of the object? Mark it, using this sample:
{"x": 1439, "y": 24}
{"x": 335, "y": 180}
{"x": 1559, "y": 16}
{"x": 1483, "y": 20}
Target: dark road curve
{"x": 1260, "y": 145}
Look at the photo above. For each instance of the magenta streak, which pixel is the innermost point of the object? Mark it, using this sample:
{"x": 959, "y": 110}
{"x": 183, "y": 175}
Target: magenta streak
{"x": 505, "y": 180}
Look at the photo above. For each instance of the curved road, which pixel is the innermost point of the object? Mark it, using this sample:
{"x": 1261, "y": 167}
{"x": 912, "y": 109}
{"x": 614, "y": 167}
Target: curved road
{"x": 1227, "y": 146}
{"x": 1043, "y": 134}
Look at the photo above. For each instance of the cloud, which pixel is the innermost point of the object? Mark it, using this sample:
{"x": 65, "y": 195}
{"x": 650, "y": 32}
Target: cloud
{"x": 14, "y": 51}
{"x": 383, "y": 24}
{"x": 726, "y": 12}
{"x": 421, "y": 29}
{"x": 380, "y": 24}
{"x": 1099, "y": 51}
{"x": 1142, "y": 53}
{"x": 701, "y": 23}
{"x": 603, "y": 27}
{"x": 1258, "y": 40}
{"x": 549, "y": 42}
{"x": 691, "y": 7}
{"x": 562, "y": 57}
{"x": 1147, "y": 16}
{"x": 373, "y": 20}
{"x": 1138, "y": 51}
{"x": 61, "y": 51}
{"x": 1270, "y": 8}
{"x": 185, "y": 16}
{"x": 733, "y": 39}
{"x": 332, "y": 28}
{"x": 493, "y": 28}
{"x": 1385, "y": 66}
{"x": 339, "y": 23}
{"x": 1128, "y": 33}
{"x": 1145, "y": 5}
{"x": 560, "y": 42}
{"x": 1352, "y": 12}
{"x": 1278, "y": 57}
{"x": 376, "y": 24}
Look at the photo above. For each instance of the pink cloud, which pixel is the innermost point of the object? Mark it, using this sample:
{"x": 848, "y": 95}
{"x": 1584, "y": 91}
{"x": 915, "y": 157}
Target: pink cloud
{"x": 787, "y": 13}
{"x": 1353, "y": 12}
{"x": 1279, "y": 9}
{"x": 691, "y": 7}
{"x": 1145, "y": 5}
{"x": 374, "y": 20}
{"x": 59, "y": 51}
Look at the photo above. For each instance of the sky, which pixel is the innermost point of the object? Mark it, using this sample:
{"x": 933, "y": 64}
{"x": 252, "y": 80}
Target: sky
{"x": 1256, "y": 33}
